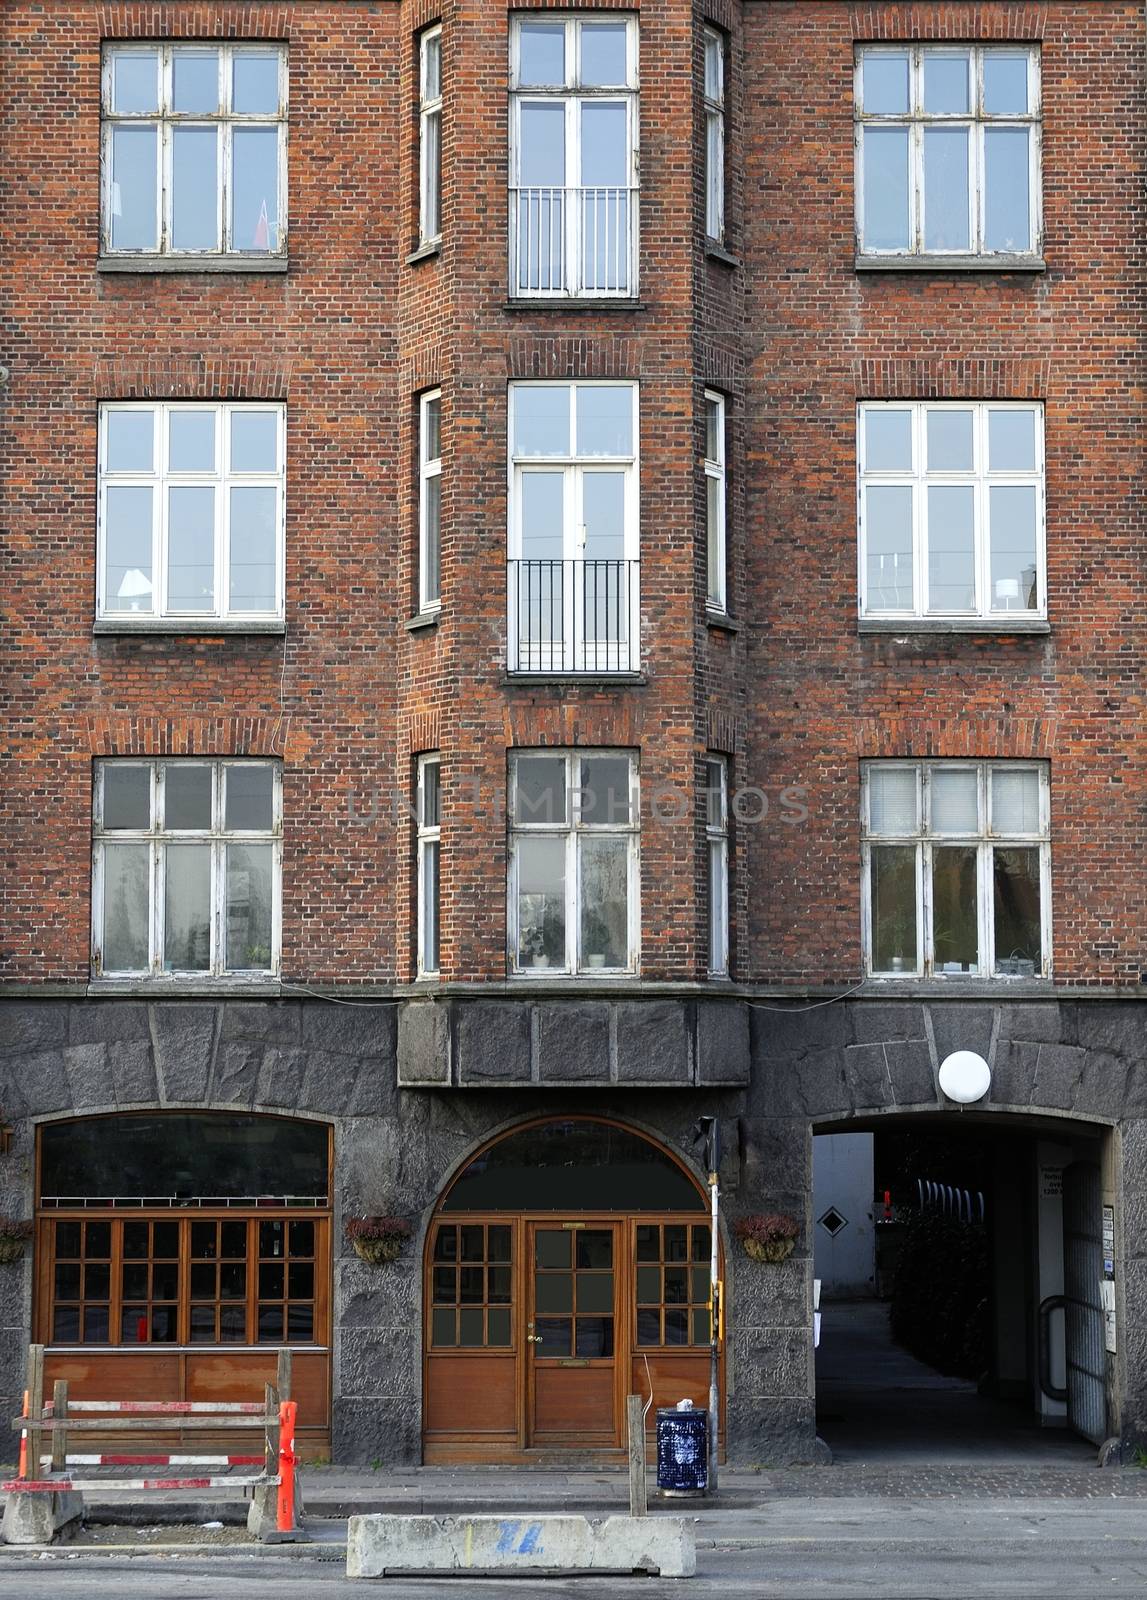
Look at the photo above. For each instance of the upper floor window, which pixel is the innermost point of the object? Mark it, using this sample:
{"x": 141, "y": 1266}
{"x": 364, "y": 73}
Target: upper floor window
{"x": 429, "y": 855}
{"x": 430, "y": 135}
{"x": 430, "y": 501}
{"x": 186, "y": 868}
{"x": 717, "y": 847}
{"x": 573, "y": 903}
{"x": 716, "y": 554}
{"x": 956, "y": 868}
{"x": 948, "y": 157}
{"x": 573, "y": 159}
{"x": 573, "y": 535}
{"x": 714, "y": 134}
{"x": 195, "y": 149}
{"x": 951, "y": 510}
{"x": 191, "y": 511}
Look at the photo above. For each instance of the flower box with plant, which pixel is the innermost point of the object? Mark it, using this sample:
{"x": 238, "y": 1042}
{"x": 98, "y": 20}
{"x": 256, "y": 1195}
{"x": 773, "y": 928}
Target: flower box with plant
{"x": 377, "y": 1239}
{"x": 768, "y": 1236}
{"x": 14, "y": 1235}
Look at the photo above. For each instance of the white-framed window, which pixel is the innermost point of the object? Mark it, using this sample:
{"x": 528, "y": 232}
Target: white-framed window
{"x": 957, "y": 869}
{"x": 574, "y": 889}
{"x": 951, "y": 509}
{"x": 948, "y": 150}
{"x": 429, "y": 857}
{"x": 191, "y": 510}
{"x": 573, "y": 155}
{"x": 186, "y": 868}
{"x": 714, "y": 45}
{"x": 717, "y": 850}
{"x": 430, "y": 500}
{"x": 430, "y": 134}
{"x": 573, "y": 533}
{"x": 716, "y": 549}
{"x": 194, "y": 149}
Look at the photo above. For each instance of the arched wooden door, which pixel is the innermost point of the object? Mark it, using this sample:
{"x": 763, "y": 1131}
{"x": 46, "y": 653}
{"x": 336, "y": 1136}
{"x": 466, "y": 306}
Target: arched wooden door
{"x": 566, "y": 1267}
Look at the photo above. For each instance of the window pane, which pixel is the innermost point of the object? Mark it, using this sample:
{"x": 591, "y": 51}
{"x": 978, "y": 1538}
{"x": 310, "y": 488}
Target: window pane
{"x": 430, "y": 795}
{"x": 1007, "y": 196}
{"x": 130, "y": 441}
{"x": 893, "y": 890}
{"x": 194, "y": 189}
{"x": 595, "y": 1291}
{"x": 949, "y": 441}
{"x": 604, "y": 790}
{"x": 1012, "y": 534}
{"x": 128, "y": 513}
{"x": 714, "y": 173}
{"x": 605, "y": 420}
{"x": 1015, "y": 800}
{"x": 595, "y": 1337}
{"x": 432, "y": 539}
{"x": 954, "y": 922}
{"x": 191, "y": 547}
{"x": 885, "y": 82}
{"x": 888, "y": 536}
{"x": 542, "y": 161}
{"x": 203, "y": 1324}
{"x": 648, "y": 1242}
{"x": 191, "y": 441}
{"x": 553, "y": 1291}
{"x": 541, "y": 902}
{"x": 542, "y": 53}
{"x": 249, "y": 797}
{"x": 541, "y": 420}
{"x": 255, "y": 189}
{"x": 66, "y": 1324}
{"x": 713, "y": 66}
{"x": 254, "y": 441}
{"x": 714, "y": 794}
{"x": 649, "y": 1327}
{"x": 947, "y": 223}
{"x": 432, "y": 429}
{"x": 954, "y": 801}
{"x": 892, "y": 800}
{"x": 1011, "y": 441}
{"x": 604, "y": 895}
{"x": 718, "y": 907}
{"x": 255, "y": 83}
{"x": 543, "y": 539}
{"x": 194, "y": 82}
{"x": 1005, "y": 84}
{"x": 430, "y": 947}
{"x": 648, "y": 1286}
{"x": 603, "y": 56}
{"x": 498, "y": 1243}
{"x": 714, "y": 431}
{"x": 252, "y": 530}
{"x": 470, "y": 1330}
{"x": 135, "y": 188}
{"x": 715, "y": 527}
{"x": 945, "y": 83}
{"x": 443, "y": 1327}
{"x": 886, "y": 188}
{"x": 951, "y": 552}
{"x": 249, "y": 871}
{"x": 1016, "y": 897}
{"x": 187, "y": 931}
{"x": 186, "y": 796}
{"x": 125, "y": 907}
{"x": 887, "y": 440}
{"x": 135, "y": 81}
{"x": 540, "y": 789}
{"x": 497, "y": 1327}
{"x": 430, "y": 52}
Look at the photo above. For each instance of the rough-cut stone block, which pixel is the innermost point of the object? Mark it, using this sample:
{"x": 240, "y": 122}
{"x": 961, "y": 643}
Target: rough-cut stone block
{"x": 373, "y": 1297}
{"x": 775, "y": 1361}
{"x": 877, "y": 1021}
{"x": 1057, "y": 1075}
{"x": 133, "y": 1072}
{"x": 237, "y": 1065}
{"x": 377, "y": 1545}
{"x": 910, "y": 1072}
{"x": 373, "y": 1090}
{"x": 776, "y": 1295}
{"x": 34, "y": 1083}
{"x": 380, "y": 1362}
{"x": 32, "y": 1025}
{"x": 493, "y": 1042}
{"x": 89, "y": 1074}
{"x": 573, "y": 1042}
{"x": 423, "y": 1044}
{"x": 184, "y": 1035}
{"x": 1014, "y": 1073}
{"x": 961, "y": 1025}
{"x": 653, "y": 1042}
{"x": 1117, "y": 1026}
{"x": 723, "y": 1055}
{"x": 783, "y": 1030}
{"x": 821, "y": 1087}
{"x": 1038, "y": 1020}
{"x": 358, "y": 1030}
{"x": 106, "y": 1021}
{"x": 866, "y": 1073}
{"x": 775, "y": 1153}
{"x": 769, "y": 1432}
{"x": 267, "y": 1021}
{"x": 1103, "y": 1086}
{"x": 282, "y": 1073}
{"x": 388, "y": 1432}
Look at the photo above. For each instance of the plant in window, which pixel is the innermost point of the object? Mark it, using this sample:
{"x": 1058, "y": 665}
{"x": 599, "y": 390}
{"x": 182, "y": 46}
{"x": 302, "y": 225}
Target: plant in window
{"x": 14, "y": 1235}
{"x": 597, "y": 942}
{"x": 767, "y": 1236}
{"x": 377, "y": 1239}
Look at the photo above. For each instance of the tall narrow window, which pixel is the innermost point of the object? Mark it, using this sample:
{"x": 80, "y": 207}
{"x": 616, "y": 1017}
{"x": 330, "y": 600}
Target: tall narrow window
{"x": 429, "y": 849}
{"x": 430, "y": 501}
{"x": 717, "y": 846}
{"x": 430, "y": 135}
{"x": 714, "y": 134}
{"x": 716, "y": 591}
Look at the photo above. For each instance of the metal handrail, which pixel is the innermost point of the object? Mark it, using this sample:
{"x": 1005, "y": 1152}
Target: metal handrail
{"x": 573, "y": 616}
{"x": 573, "y": 239}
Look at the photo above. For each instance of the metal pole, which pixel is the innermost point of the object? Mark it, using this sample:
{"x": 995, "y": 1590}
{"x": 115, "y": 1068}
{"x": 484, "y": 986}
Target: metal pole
{"x": 714, "y": 1334}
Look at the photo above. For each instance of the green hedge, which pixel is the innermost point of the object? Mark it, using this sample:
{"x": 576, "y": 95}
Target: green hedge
{"x": 940, "y": 1299}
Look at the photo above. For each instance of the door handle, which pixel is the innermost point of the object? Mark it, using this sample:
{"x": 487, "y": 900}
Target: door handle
{"x": 1054, "y": 1302}
{"x": 533, "y": 1338}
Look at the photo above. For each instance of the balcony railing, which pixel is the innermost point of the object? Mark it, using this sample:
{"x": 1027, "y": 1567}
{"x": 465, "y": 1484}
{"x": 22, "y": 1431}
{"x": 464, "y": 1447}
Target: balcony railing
{"x": 574, "y": 241}
{"x": 573, "y": 616}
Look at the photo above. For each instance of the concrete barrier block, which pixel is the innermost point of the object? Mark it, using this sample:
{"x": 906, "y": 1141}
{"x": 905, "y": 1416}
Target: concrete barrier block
{"x": 38, "y": 1518}
{"x": 522, "y": 1546}
{"x": 263, "y": 1512}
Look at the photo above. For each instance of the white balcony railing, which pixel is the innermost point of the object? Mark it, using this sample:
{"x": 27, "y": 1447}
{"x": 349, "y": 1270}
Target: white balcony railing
{"x": 569, "y": 241}
{"x": 573, "y": 616}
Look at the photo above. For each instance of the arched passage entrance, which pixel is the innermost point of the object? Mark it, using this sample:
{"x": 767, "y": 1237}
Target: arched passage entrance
{"x": 566, "y": 1265}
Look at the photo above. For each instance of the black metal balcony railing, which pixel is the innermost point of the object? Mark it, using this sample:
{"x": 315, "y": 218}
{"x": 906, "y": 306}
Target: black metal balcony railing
{"x": 573, "y": 616}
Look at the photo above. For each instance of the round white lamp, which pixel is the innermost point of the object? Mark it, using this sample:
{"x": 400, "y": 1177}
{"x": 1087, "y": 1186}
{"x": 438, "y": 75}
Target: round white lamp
{"x": 965, "y": 1077}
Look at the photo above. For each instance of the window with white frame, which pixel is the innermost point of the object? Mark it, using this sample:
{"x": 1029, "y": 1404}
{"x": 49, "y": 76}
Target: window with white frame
{"x": 574, "y": 884}
{"x": 429, "y": 855}
{"x": 714, "y": 43}
{"x": 573, "y": 158}
{"x": 194, "y": 149}
{"x": 573, "y": 535}
{"x": 956, "y": 869}
{"x": 191, "y": 511}
{"x": 430, "y": 501}
{"x": 948, "y": 150}
{"x": 430, "y": 135}
{"x": 715, "y": 540}
{"x": 951, "y": 510}
{"x": 717, "y": 848}
{"x": 186, "y": 868}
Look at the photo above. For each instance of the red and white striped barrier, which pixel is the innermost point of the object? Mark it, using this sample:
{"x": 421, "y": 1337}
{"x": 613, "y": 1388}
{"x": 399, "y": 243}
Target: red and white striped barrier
{"x": 55, "y": 1485}
{"x": 167, "y": 1408}
{"x": 157, "y": 1461}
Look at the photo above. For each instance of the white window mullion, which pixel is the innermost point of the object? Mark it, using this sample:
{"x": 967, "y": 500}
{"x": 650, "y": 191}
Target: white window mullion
{"x": 573, "y": 881}
{"x": 226, "y": 173}
{"x": 158, "y": 909}
{"x": 925, "y": 906}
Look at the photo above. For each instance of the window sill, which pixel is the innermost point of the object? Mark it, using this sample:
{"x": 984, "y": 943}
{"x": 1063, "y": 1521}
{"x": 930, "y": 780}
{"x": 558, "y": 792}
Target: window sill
{"x": 939, "y": 263}
{"x": 958, "y": 983}
{"x": 540, "y": 974}
{"x": 424, "y": 620}
{"x": 721, "y": 621}
{"x": 943, "y": 625}
{"x": 152, "y": 264}
{"x": 598, "y": 679}
{"x": 425, "y": 252}
{"x": 266, "y": 986}
{"x": 559, "y": 302}
{"x": 717, "y": 252}
{"x": 194, "y": 626}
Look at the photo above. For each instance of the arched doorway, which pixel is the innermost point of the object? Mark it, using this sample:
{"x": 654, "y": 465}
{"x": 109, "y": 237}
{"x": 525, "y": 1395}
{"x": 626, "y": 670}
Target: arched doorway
{"x": 567, "y": 1265}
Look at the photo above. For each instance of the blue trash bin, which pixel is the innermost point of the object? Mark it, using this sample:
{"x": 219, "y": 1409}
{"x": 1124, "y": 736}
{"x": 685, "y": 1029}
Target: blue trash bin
{"x": 682, "y": 1451}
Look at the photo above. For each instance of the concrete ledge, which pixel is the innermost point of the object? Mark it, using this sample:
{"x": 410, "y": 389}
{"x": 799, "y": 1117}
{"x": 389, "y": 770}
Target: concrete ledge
{"x": 519, "y": 1546}
{"x": 38, "y": 1518}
